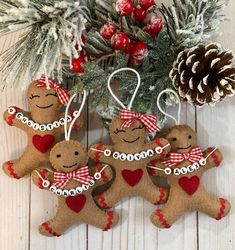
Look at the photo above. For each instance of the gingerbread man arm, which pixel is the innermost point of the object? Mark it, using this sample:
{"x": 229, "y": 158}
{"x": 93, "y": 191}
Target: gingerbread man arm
{"x": 45, "y": 174}
{"x": 158, "y": 144}
{"x": 11, "y": 119}
{"x": 96, "y": 154}
{"x": 77, "y": 125}
{"x": 157, "y": 168}
{"x": 213, "y": 160}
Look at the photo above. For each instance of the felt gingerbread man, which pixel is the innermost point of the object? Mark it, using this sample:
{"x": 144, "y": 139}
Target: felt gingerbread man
{"x": 42, "y": 125}
{"x": 72, "y": 182}
{"x": 130, "y": 155}
{"x": 184, "y": 168}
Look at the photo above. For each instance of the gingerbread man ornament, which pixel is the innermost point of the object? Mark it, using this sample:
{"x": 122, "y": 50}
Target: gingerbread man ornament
{"x": 42, "y": 125}
{"x": 72, "y": 183}
{"x": 130, "y": 154}
{"x": 184, "y": 168}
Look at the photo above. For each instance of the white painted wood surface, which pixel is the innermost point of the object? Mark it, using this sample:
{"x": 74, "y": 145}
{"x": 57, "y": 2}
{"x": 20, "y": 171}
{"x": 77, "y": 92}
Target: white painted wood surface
{"x": 23, "y": 206}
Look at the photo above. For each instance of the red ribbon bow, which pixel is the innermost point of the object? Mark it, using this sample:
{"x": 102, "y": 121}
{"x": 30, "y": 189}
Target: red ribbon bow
{"x": 81, "y": 175}
{"x": 129, "y": 118}
{"x": 61, "y": 92}
{"x": 194, "y": 155}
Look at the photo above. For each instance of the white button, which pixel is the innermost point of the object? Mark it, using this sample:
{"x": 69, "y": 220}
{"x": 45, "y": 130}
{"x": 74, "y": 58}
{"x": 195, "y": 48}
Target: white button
{"x": 65, "y": 193}
{"x": 137, "y": 156}
{"x": 150, "y": 152}
{"x": 75, "y": 113}
{"x": 79, "y": 190}
{"x": 190, "y": 168}
{"x": 144, "y": 154}
{"x": 69, "y": 118}
{"x": 59, "y": 192}
{"x": 25, "y": 120}
{"x": 116, "y": 155}
{"x": 11, "y": 110}
{"x": 53, "y": 189}
{"x": 19, "y": 116}
{"x": 35, "y": 126}
{"x": 45, "y": 183}
{"x": 30, "y": 123}
{"x": 176, "y": 171}
{"x": 72, "y": 192}
{"x": 56, "y": 124}
{"x": 168, "y": 171}
{"x": 183, "y": 170}
{"x": 202, "y": 162}
{"x": 122, "y": 157}
{"x": 158, "y": 150}
{"x": 97, "y": 175}
{"x": 196, "y": 166}
{"x": 62, "y": 121}
{"x": 85, "y": 187}
{"x": 107, "y": 152}
{"x": 130, "y": 157}
{"x": 42, "y": 127}
{"x": 49, "y": 126}
{"x": 92, "y": 183}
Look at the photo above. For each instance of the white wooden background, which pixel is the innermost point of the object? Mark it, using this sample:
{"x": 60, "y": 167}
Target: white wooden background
{"x": 23, "y": 206}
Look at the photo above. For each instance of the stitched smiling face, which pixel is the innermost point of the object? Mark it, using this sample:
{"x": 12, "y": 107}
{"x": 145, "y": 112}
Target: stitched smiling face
{"x": 182, "y": 138}
{"x": 67, "y": 156}
{"x": 136, "y": 134}
{"x": 42, "y": 99}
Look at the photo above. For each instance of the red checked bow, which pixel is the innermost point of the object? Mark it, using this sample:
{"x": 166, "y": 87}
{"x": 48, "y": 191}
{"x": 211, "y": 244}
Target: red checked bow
{"x": 129, "y": 118}
{"x": 61, "y": 92}
{"x": 81, "y": 175}
{"x": 193, "y": 156}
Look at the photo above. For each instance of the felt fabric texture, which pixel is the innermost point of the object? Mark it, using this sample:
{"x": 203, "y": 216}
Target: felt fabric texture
{"x": 187, "y": 192}
{"x": 44, "y": 108}
{"x": 131, "y": 178}
{"x": 65, "y": 157}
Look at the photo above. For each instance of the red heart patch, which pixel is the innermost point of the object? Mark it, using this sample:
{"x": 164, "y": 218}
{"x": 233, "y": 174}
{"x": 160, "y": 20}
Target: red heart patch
{"x": 189, "y": 185}
{"x": 76, "y": 203}
{"x": 132, "y": 177}
{"x": 43, "y": 143}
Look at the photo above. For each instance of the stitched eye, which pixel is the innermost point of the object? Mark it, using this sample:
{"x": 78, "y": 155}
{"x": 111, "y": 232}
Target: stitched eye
{"x": 141, "y": 126}
{"x": 174, "y": 139}
{"x": 76, "y": 152}
{"x": 33, "y": 96}
{"x": 119, "y": 131}
{"x": 52, "y": 94}
{"x": 58, "y": 156}
{"x": 190, "y": 137}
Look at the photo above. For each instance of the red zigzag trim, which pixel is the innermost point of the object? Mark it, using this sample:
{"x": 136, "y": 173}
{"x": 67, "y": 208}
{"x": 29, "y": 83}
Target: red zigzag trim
{"x": 161, "y": 218}
{"x": 43, "y": 174}
{"x": 102, "y": 201}
{"x": 162, "y": 195}
{"x": 110, "y": 221}
{"x": 11, "y": 170}
{"x": 49, "y": 229}
{"x": 214, "y": 156}
{"x": 104, "y": 177}
{"x": 221, "y": 213}
{"x": 97, "y": 153}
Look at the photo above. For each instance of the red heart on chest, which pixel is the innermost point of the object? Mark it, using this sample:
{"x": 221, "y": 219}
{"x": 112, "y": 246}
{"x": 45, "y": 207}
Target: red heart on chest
{"x": 132, "y": 177}
{"x": 189, "y": 185}
{"x": 76, "y": 203}
{"x": 43, "y": 143}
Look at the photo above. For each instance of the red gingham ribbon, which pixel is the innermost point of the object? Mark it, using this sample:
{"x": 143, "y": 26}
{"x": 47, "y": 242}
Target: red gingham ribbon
{"x": 61, "y": 92}
{"x": 193, "y": 156}
{"x": 81, "y": 175}
{"x": 129, "y": 118}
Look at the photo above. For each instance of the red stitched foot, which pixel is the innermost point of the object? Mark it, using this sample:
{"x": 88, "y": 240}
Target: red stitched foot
{"x": 162, "y": 219}
{"x": 222, "y": 208}
{"x": 11, "y": 170}
{"x": 102, "y": 202}
{"x": 110, "y": 221}
{"x": 162, "y": 196}
{"x": 49, "y": 229}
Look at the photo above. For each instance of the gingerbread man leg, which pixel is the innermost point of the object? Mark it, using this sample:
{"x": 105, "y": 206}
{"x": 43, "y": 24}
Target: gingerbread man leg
{"x": 22, "y": 166}
{"x": 110, "y": 197}
{"x": 213, "y": 207}
{"x": 165, "y": 217}
{"x": 154, "y": 194}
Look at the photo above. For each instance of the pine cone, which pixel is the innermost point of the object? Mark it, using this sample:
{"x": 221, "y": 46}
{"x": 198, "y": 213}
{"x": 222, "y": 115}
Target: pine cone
{"x": 204, "y": 74}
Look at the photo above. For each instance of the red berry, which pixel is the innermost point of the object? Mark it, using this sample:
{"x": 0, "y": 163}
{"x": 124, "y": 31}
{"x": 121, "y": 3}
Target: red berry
{"x": 146, "y": 4}
{"x": 77, "y": 64}
{"x": 139, "y": 52}
{"x": 139, "y": 13}
{"x": 154, "y": 27}
{"x": 107, "y": 31}
{"x": 120, "y": 41}
{"x": 124, "y": 7}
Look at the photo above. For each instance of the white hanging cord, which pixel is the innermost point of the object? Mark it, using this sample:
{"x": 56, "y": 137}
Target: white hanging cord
{"x": 167, "y": 91}
{"x": 135, "y": 92}
{"x": 76, "y": 115}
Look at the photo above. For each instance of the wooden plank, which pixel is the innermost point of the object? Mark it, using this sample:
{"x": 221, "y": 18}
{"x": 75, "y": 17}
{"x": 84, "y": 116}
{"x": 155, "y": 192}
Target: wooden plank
{"x": 216, "y": 128}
